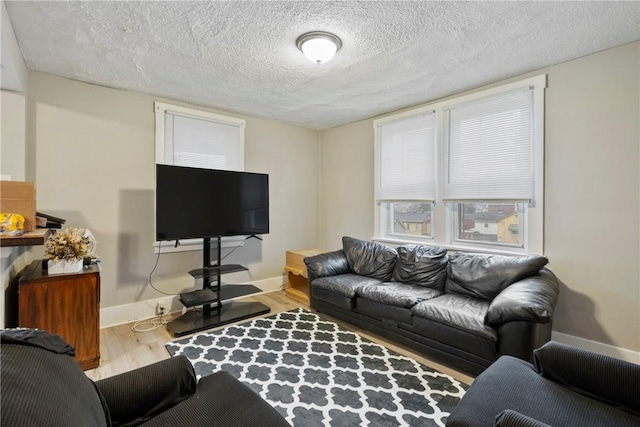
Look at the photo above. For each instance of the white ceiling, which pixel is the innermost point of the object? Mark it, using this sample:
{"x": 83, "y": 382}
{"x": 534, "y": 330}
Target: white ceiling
{"x": 241, "y": 56}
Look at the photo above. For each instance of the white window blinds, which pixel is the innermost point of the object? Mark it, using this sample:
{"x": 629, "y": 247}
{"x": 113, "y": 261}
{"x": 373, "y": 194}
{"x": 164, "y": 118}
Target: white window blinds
{"x": 488, "y": 150}
{"x": 202, "y": 143}
{"x": 405, "y": 166}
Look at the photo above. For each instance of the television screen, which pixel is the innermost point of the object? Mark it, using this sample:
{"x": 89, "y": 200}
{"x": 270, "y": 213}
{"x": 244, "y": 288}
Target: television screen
{"x": 195, "y": 203}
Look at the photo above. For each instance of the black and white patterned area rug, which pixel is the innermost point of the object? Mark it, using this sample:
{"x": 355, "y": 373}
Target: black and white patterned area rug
{"x": 316, "y": 373}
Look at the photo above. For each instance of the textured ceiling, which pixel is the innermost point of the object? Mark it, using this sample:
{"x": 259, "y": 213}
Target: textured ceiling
{"x": 241, "y": 56}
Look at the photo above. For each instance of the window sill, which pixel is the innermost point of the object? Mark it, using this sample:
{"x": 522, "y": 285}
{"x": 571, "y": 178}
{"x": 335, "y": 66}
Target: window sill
{"x": 453, "y": 247}
{"x": 398, "y": 241}
{"x": 486, "y": 249}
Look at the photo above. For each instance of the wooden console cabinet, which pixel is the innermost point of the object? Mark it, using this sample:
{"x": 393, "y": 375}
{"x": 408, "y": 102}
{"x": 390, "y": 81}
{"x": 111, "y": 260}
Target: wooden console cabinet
{"x": 64, "y": 304}
{"x": 297, "y": 279}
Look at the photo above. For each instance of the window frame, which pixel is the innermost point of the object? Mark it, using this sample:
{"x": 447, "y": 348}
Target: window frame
{"x": 386, "y": 216}
{"x": 160, "y": 110}
{"x": 442, "y": 216}
{"x": 454, "y": 211}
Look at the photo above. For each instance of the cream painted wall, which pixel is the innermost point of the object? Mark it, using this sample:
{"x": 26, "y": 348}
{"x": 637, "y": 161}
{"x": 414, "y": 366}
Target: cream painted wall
{"x": 12, "y": 134}
{"x": 90, "y": 152}
{"x": 347, "y": 184}
{"x": 13, "y": 81}
{"x": 592, "y": 189}
{"x": 592, "y": 192}
{"x": 12, "y": 162}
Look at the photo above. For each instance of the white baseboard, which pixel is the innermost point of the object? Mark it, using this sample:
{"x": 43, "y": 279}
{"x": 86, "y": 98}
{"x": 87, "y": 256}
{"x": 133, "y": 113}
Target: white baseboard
{"x": 6, "y": 251}
{"x": 598, "y": 347}
{"x": 127, "y": 313}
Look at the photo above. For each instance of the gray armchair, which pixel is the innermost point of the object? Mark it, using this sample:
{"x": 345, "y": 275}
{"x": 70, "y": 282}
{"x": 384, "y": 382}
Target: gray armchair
{"x": 42, "y": 385}
{"x": 567, "y": 386}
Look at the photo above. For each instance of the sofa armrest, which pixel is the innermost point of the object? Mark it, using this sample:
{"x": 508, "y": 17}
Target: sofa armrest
{"x": 136, "y": 396}
{"x": 604, "y": 378}
{"x": 509, "y": 418}
{"x": 327, "y": 264}
{"x": 532, "y": 299}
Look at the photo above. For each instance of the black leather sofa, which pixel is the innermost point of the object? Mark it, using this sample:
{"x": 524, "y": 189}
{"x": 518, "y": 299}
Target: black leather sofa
{"x": 566, "y": 387}
{"x": 465, "y": 310}
{"x": 42, "y": 385}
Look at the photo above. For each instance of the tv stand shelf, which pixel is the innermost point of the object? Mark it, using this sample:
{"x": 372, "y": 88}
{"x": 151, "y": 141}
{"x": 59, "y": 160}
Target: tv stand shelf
{"x": 212, "y": 296}
{"x": 214, "y": 270}
{"x": 199, "y": 297}
{"x": 209, "y": 296}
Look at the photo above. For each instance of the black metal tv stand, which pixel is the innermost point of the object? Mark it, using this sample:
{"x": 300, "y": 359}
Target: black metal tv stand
{"x": 215, "y": 311}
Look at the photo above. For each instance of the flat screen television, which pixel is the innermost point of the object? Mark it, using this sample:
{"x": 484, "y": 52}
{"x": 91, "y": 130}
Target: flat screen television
{"x": 197, "y": 203}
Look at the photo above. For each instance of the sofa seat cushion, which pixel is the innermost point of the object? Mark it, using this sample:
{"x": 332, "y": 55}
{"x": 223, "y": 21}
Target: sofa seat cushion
{"x": 421, "y": 265}
{"x": 344, "y": 284}
{"x": 458, "y": 311}
{"x": 340, "y": 301}
{"x": 455, "y": 341}
{"x": 397, "y": 294}
{"x": 220, "y": 400}
{"x": 383, "y": 314}
{"x": 369, "y": 258}
{"x": 485, "y": 276}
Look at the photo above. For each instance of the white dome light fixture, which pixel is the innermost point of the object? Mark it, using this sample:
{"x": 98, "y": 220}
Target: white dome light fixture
{"x": 319, "y": 46}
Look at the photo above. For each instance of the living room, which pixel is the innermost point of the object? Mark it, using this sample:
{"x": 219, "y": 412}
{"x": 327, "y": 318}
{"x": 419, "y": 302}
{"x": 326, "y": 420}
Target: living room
{"x": 90, "y": 149}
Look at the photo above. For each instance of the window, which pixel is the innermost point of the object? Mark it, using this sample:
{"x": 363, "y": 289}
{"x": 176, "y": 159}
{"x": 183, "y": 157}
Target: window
{"x": 485, "y": 169}
{"x": 188, "y": 137}
{"x": 488, "y": 157}
{"x": 405, "y": 188}
{"x": 410, "y": 220}
{"x": 194, "y": 138}
{"x": 488, "y": 148}
{"x": 492, "y": 223}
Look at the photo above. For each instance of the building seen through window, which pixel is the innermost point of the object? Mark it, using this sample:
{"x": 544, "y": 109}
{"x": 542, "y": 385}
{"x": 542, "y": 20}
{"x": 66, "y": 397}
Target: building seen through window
{"x": 489, "y": 222}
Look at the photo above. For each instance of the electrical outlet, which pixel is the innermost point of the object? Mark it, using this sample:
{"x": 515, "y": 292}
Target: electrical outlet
{"x": 160, "y": 309}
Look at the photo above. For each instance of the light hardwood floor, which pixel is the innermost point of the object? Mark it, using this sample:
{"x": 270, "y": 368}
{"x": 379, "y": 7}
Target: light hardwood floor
{"x": 122, "y": 349}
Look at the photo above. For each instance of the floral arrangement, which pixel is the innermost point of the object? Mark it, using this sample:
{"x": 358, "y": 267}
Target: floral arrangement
{"x": 72, "y": 244}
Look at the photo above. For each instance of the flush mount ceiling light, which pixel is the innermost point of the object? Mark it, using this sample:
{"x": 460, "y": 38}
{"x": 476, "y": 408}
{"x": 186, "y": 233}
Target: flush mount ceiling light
{"x": 319, "y": 46}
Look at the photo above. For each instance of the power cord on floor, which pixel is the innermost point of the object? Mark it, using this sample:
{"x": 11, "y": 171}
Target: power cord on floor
{"x": 148, "y": 325}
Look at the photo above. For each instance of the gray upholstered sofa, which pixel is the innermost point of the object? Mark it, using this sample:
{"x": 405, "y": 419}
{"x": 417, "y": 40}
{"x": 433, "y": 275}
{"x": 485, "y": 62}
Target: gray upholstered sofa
{"x": 464, "y": 309}
{"x": 42, "y": 385}
{"x": 566, "y": 387}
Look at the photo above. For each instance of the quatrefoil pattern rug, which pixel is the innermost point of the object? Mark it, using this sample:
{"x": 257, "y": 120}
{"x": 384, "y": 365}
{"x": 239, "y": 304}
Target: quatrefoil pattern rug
{"x": 316, "y": 373}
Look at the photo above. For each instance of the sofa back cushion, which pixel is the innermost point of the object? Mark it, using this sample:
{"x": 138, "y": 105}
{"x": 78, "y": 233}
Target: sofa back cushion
{"x": 42, "y": 384}
{"x": 369, "y": 258}
{"x": 485, "y": 276}
{"x": 608, "y": 379}
{"x": 421, "y": 265}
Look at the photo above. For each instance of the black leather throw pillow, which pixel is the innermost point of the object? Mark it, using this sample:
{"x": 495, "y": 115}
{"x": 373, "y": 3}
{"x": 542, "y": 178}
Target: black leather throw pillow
{"x": 369, "y": 259}
{"x": 421, "y": 265}
{"x": 485, "y": 276}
